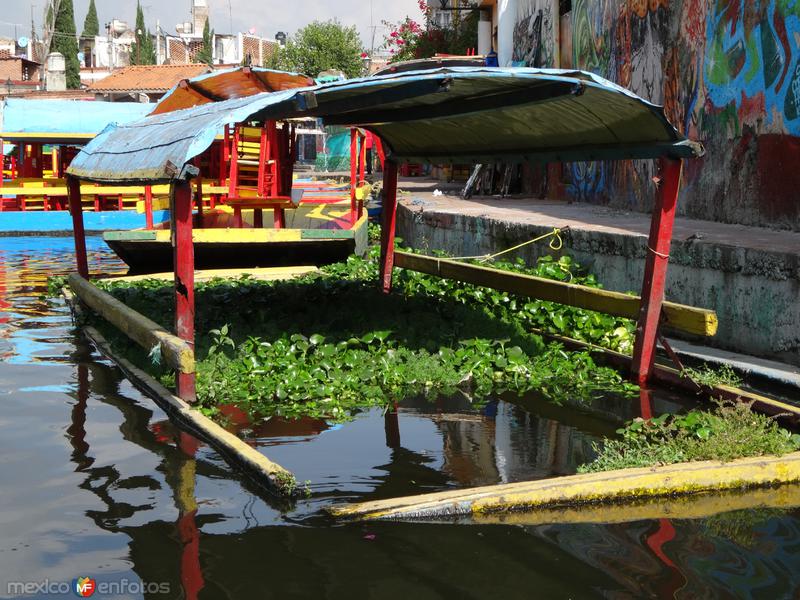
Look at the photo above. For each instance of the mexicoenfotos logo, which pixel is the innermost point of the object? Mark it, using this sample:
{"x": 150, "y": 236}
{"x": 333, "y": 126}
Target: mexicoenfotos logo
{"x": 84, "y": 587}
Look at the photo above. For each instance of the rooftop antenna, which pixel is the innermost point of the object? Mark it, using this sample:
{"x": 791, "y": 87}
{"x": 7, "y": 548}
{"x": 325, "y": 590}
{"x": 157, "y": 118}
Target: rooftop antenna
{"x": 230, "y": 17}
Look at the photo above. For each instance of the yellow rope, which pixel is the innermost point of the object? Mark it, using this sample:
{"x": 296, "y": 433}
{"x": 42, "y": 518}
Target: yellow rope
{"x": 555, "y": 244}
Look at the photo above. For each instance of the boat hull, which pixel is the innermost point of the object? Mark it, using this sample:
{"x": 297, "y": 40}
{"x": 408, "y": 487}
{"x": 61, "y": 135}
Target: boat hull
{"x": 151, "y": 251}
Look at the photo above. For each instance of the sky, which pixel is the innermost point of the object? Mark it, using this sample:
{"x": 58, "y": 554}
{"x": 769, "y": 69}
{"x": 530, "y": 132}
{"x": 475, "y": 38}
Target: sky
{"x": 266, "y": 16}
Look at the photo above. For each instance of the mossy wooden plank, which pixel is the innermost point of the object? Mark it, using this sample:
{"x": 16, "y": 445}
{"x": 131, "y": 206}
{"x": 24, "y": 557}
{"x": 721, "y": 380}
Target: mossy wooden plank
{"x": 590, "y": 488}
{"x": 148, "y": 334}
{"x": 698, "y": 321}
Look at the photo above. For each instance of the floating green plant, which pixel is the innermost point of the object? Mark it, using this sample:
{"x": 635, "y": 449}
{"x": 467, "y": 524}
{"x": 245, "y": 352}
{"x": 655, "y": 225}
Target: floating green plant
{"x": 731, "y": 430}
{"x": 330, "y": 344}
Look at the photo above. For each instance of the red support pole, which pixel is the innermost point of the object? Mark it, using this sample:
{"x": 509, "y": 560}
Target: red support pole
{"x": 389, "y": 223}
{"x": 362, "y": 157}
{"x": 353, "y": 172}
{"x": 183, "y": 263}
{"x": 76, "y": 210}
{"x": 148, "y": 205}
{"x": 655, "y": 270}
{"x": 199, "y": 202}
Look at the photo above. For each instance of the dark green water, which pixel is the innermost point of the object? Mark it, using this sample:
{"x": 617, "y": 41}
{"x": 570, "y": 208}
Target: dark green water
{"x": 94, "y": 482}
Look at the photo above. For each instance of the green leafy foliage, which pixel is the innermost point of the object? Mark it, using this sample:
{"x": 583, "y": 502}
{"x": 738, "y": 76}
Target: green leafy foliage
{"x": 408, "y": 39}
{"x": 331, "y": 344}
{"x": 143, "y": 50}
{"x": 705, "y": 375}
{"x": 731, "y": 430}
{"x": 320, "y": 46}
{"x": 65, "y": 41}
{"x": 91, "y": 26}
{"x": 205, "y": 55}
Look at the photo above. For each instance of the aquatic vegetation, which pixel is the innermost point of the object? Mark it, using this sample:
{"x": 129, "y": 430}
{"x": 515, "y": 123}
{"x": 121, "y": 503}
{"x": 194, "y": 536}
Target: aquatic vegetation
{"x": 330, "y": 344}
{"x": 705, "y": 375}
{"x": 731, "y": 430}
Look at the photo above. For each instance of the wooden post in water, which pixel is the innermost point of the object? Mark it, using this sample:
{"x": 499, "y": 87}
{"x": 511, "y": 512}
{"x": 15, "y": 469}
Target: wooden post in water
{"x": 76, "y": 210}
{"x": 655, "y": 270}
{"x": 389, "y": 223}
{"x": 183, "y": 263}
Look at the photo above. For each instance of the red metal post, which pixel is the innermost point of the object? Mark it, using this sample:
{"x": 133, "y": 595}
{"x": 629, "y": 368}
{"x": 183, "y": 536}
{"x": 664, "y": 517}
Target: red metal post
{"x": 362, "y": 157}
{"x": 148, "y": 205}
{"x": 655, "y": 270}
{"x": 353, "y": 172}
{"x": 183, "y": 262}
{"x": 76, "y": 210}
{"x": 198, "y": 198}
{"x": 389, "y": 223}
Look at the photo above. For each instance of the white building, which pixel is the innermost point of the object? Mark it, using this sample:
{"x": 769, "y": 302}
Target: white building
{"x": 227, "y": 49}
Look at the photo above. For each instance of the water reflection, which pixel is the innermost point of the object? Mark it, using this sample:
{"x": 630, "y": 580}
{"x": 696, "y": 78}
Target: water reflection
{"x": 105, "y": 486}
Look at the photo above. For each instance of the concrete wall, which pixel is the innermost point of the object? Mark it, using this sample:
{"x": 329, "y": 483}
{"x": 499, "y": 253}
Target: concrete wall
{"x": 727, "y": 73}
{"x": 753, "y": 292}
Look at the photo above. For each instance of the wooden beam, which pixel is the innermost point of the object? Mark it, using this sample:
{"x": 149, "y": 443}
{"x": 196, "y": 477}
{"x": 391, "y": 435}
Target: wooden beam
{"x": 76, "y": 210}
{"x": 655, "y": 270}
{"x": 677, "y": 316}
{"x": 389, "y": 224}
{"x": 183, "y": 261}
{"x": 146, "y": 333}
{"x": 608, "y": 487}
{"x": 353, "y": 172}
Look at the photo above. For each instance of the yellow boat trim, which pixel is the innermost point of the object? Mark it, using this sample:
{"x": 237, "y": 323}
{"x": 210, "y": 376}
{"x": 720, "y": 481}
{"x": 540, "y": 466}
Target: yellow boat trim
{"x": 262, "y": 274}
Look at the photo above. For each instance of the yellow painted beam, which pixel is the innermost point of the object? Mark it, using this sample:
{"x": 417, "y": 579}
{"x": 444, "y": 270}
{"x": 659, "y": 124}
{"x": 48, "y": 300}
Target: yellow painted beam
{"x": 695, "y": 506}
{"x": 148, "y": 334}
{"x": 624, "y": 485}
{"x": 235, "y": 236}
{"x": 261, "y": 274}
{"x": 698, "y": 321}
{"x": 265, "y": 473}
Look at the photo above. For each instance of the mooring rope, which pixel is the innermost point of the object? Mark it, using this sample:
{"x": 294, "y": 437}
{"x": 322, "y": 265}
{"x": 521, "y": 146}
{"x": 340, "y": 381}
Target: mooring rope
{"x": 555, "y": 244}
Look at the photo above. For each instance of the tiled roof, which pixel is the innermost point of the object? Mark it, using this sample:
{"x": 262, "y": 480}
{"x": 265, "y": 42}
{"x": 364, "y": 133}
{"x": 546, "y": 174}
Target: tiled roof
{"x": 148, "y": 78}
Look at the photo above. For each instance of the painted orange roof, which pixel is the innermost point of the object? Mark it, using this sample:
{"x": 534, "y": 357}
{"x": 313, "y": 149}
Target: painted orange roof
{"x": 148, "y": 78}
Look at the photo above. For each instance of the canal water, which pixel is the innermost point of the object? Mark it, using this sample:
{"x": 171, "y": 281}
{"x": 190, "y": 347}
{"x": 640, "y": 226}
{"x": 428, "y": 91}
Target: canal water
{"x": 96, "y": 483}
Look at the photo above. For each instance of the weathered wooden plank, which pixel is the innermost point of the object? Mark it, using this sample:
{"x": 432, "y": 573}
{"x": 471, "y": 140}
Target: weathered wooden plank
{"x": 699, "y": 321}
{"x": 590, "y": 488}
{"x": 148, "y": 334}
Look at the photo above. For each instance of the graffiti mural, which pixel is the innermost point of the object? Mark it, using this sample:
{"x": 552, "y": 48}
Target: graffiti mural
{"x": 727, "y": 73}
{"x": 536, "y": 34}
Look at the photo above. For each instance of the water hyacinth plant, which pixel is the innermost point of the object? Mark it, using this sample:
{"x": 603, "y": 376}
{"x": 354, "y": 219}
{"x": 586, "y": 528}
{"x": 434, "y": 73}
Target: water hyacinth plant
{"x": 330, "y": 344}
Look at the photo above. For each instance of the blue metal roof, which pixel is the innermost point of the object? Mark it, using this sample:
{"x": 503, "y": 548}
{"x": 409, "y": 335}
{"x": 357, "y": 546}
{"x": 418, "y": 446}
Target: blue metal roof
{"x": 57, "y": 117}
{"x": 444, "y": 115}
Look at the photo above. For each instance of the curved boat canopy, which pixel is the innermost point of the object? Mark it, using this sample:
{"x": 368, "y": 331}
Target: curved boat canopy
{"x": 62, "y": 121}
{"x": 444, "y": 115}
{"x": 228, "y": 84}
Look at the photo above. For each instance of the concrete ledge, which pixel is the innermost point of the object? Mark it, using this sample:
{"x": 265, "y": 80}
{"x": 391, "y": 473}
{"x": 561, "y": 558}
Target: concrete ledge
{"x": 266, "y": 474}
{"x": 749, "y": 276}
{"x": 623, "y": 485}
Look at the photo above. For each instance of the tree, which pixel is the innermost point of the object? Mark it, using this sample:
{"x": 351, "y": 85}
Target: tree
{"x": 65, "y": 41}
{"x": 91, "y": 26}
{"x": 206, "y": 53}
{"x": 408, "y": 39}
{"x": 143, "y": 51}
{"x": 320, "y": 46}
